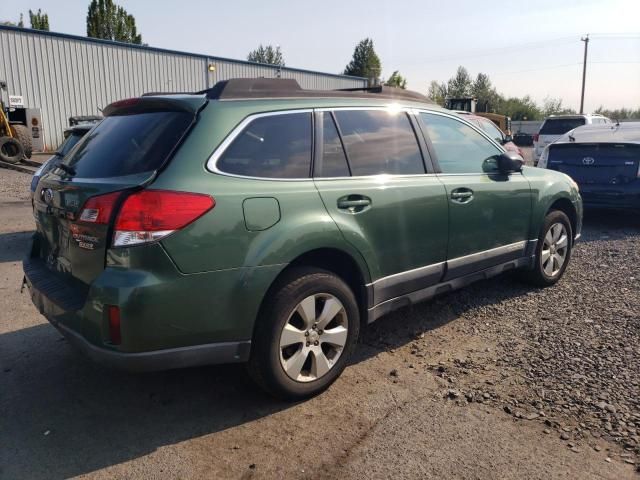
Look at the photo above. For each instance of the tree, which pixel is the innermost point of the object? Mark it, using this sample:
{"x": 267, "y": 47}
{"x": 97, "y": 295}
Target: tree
{"x": 39, "y": 20}
{"x": 460, "y": 84}
{"x": 487, "y": 96}
{"x": 365, "y": 62}
{"x": 553, "y": 106}
{"x": 268, "y": 54}
{"x": 396, "y": 80}
{"x": 520, "y": 108}
{"x": 437, "y": 92}
{"x": 108, "y": 21}
{"x": 9, "y": 23}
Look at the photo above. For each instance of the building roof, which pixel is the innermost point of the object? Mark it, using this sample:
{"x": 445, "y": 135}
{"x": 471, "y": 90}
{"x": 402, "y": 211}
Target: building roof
{"x": 31, "y": 31}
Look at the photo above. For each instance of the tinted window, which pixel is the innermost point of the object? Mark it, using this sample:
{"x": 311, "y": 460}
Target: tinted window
{"x": 490, "y": 129}
{"x": 459, "y": 148}
{"x": 334, "y": 161}
{"x": 378, "y": 142}
{"x": 275, "y": 146}
{"x": 70, "y": 142}
{"x": 128, "y": 144}
{"x": 560, "y": 126}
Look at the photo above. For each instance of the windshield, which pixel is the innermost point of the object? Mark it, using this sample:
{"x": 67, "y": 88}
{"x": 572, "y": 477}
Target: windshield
{"x": 128, "y": 144}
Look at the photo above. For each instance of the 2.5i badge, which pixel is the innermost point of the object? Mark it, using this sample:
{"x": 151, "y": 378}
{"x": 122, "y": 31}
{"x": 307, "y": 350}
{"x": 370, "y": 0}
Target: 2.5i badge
{"x": 83, "y": 237}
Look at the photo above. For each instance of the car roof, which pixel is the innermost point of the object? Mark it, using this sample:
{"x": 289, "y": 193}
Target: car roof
{"x": 625, "y": 132}
{"x": 83, "y": 127}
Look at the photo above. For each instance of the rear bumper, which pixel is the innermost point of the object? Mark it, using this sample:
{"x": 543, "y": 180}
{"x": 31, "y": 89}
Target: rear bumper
{"x": 623, "y": 197}
{"x": 168, "y": 319}
{"x": 225, "y": 352}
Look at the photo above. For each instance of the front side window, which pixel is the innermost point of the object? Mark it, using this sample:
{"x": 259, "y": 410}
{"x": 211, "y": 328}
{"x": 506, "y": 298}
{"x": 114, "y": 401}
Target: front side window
{"x": 458, "y": 147}
{"x": 273, "y": 146}
{"x": 490, "y": 129}
{"x": 379, "y": 142}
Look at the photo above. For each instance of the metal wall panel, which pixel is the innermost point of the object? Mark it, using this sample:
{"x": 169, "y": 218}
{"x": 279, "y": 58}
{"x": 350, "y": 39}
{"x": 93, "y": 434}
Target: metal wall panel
{"x": 66, "y": 75}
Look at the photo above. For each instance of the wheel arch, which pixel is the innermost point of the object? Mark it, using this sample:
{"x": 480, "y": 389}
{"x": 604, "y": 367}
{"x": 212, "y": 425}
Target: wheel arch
{"x": 565, "y": 205}
{"x": 336, "y": 261}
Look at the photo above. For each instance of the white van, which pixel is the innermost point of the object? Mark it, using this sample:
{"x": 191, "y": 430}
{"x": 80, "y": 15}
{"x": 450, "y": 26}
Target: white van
{"x": 555, "y": 126}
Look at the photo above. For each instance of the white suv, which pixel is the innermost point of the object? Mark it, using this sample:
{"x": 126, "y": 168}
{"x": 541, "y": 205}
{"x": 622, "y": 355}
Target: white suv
{"x": 555, "y": 126}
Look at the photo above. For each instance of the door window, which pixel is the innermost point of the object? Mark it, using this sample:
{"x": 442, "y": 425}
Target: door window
{"x": 334, "y": 161}
{"x": 379, "y": 142}
{"x": 458, "y": 147}
{"x": 490, "y": 129}
{"x": 274, "y": 146}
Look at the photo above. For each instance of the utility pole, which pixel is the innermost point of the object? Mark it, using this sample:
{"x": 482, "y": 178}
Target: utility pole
{"x": 584, "y": 70}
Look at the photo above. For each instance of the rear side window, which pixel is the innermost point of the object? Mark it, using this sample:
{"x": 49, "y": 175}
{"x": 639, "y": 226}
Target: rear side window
{"x": 378, "y": 142}
{"x": 128, "y": 144}
{"x": 274, "y": 146}
{"x": 334, "y": 161}
{"x": 69, "y": 143}
{"x": 560, "y": 126}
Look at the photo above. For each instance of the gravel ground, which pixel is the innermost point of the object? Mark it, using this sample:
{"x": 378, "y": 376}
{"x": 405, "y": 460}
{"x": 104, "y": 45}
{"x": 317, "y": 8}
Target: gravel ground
{"x": 14, "y": 186}
{"x": 498, "y": 380}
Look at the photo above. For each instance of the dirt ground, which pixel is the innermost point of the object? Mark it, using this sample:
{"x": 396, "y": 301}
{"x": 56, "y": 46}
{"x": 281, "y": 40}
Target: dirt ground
{"x": 440, "y": 390}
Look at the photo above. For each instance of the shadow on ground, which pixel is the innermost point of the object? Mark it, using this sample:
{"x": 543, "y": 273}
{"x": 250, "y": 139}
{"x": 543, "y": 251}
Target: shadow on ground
{"x": 13, "y": 246}
{"x": 98, "y": 417}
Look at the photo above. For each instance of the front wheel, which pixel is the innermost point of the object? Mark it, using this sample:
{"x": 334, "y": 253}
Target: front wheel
{"x": 305, "y": 334}
{"x": 553, "y": 250}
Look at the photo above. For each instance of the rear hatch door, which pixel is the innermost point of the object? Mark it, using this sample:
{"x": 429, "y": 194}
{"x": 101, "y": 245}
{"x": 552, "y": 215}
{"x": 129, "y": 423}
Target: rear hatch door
{"x": 596, "y": 163}
{"x": 75, "y": 204}
{"x": 554, "y": 128}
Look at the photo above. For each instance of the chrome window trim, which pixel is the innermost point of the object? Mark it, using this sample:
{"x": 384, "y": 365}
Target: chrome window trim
{"x": 211, "y": 164}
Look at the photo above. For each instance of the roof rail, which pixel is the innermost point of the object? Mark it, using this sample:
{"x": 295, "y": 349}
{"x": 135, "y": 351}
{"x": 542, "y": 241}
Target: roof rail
{"x": 254, "y": 88}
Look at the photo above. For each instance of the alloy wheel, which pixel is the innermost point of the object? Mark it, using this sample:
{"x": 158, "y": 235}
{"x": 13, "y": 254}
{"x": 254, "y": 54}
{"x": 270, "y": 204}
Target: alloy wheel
{"x": 554, "y": 249}
{"x": 314, "y": 337}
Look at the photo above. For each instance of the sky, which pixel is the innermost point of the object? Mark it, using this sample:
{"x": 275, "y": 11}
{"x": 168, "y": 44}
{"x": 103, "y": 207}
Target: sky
{"x": 526, "y": 47}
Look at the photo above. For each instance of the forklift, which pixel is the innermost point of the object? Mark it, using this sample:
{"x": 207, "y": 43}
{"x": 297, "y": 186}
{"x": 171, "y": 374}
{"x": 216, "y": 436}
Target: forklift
{"x": 15, "y": 137}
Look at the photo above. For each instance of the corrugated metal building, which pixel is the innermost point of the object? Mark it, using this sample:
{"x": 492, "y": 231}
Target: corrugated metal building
{"x": 66, "y": 75}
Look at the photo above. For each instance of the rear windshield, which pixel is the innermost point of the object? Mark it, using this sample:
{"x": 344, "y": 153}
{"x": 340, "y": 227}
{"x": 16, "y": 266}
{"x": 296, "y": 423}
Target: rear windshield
{"x": 70, "y": 142}
{"x": 128, "y": 144}
{"x": 560, "y": 126}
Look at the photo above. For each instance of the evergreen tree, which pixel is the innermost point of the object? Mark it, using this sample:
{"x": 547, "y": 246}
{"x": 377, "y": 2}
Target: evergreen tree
{"x": 365, "y": 62}
{"x": 108, "y": 21}
{"x": 39, "y": 20}
{"x": 396, "y": 80}
{"x": 269, "y": 55}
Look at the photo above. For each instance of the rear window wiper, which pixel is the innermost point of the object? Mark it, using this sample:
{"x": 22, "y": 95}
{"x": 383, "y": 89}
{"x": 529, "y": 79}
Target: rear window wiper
{"x": 66, "y": 168}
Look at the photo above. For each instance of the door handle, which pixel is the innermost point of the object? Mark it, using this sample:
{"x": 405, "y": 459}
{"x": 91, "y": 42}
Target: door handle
{"x": 354, "y": 203}
{"x": 462, "y": 195}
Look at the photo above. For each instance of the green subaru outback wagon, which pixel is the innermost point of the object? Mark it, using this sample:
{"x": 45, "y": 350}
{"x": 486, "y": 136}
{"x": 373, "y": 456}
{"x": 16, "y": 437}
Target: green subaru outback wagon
{"x": 259, "y": 222}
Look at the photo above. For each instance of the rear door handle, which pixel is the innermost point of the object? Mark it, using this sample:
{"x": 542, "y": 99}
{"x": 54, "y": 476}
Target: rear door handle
{"x": 354, "y": 203}
{"x": 462, "y": 195}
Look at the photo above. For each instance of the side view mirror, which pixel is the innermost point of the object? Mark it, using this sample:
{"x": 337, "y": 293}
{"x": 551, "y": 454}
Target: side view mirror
{"x": 510, "y": 162}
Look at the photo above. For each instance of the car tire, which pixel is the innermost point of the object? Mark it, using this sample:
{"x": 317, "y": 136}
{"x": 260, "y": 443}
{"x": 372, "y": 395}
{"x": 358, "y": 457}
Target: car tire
{"x": 553, "y": 250}
{"x": 21, "y": 133}
{"x": 305, "y": 334}
{"x": 11, "y": 150}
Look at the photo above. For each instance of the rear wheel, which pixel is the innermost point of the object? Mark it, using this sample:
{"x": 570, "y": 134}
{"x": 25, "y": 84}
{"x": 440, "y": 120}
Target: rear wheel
{"x": 10, "y": 150}
{"x": 21, "y": 133}
{"x": 305, "y": 335}
{"x": 553, "y": 250}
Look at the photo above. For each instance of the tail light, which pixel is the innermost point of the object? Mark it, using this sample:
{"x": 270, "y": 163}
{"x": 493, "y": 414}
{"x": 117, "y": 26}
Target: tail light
{"x": 536, "y": 136}
{"x": 150, "y": 215}
{"x": 147, "y": 215}
{"x": 99, "y": 209}
{"x": 115, "y": 335}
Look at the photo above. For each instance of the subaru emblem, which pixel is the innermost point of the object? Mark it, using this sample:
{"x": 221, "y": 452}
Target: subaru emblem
{"x": 47, "y": 195}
